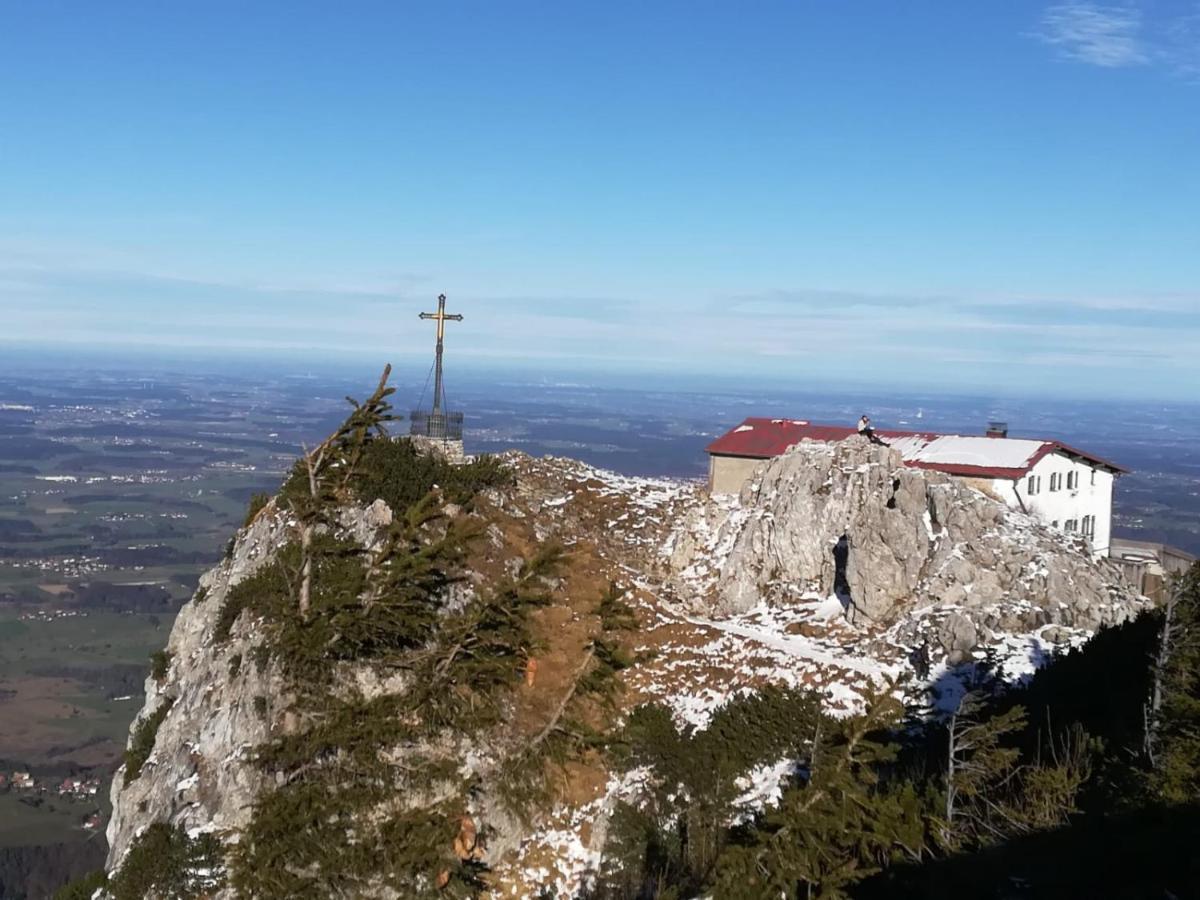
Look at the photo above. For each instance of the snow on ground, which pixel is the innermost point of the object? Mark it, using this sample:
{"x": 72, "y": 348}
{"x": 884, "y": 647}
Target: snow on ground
{"x": 700, "y": 664}
{"x": 633, "y": 513}
{"x": 762, "y": 787}
{"x": 558, "y": 856}
{"x": 694, "y": 664}
{"x": 1009, "y": 660}
{"x": 647, "y": 493}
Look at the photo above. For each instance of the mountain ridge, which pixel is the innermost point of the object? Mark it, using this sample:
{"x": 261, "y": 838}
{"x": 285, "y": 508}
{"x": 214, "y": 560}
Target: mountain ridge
{"x": 670, "y": 636}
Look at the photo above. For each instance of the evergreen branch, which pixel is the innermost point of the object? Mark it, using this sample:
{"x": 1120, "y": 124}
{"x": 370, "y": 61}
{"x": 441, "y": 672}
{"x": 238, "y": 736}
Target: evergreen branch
{"x": 558, "y": 712}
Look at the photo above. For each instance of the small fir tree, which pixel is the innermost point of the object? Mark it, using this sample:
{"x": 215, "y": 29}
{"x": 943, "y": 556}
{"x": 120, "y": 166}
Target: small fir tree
{"x": 1174, "y": 740}
{"x": 836, "y": 826}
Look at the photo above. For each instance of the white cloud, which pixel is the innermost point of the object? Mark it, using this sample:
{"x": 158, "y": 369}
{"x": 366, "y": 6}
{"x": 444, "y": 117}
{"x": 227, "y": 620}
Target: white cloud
{"x": 1116, "y": 36}
{"x": 1108, "y": 36}
{"x": 1182, "y": 44}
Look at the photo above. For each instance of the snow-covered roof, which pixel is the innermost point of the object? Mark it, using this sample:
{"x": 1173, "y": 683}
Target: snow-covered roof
{"x": 964, "y": 450}
{"x": 956, "y": 454}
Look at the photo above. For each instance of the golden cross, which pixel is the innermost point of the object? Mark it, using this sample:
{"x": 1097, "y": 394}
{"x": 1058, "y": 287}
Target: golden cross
{"x": 441, "y": 317}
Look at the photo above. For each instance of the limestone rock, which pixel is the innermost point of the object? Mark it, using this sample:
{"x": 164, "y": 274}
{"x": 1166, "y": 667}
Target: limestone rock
{"x": 227, "y": 700}
{"x": 850, "y": 518}
{"x": 198, "y": 775}
{"x": 957, "y": 635}
{"x": 932, "y": 562}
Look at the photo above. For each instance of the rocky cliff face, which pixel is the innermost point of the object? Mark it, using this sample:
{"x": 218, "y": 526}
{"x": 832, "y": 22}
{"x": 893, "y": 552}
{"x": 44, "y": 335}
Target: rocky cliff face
{"x": 896, "y": 544}
{"x": 223, "y": 697}
{"x": 197, "y": 775}
{"x": 729, "y": 595}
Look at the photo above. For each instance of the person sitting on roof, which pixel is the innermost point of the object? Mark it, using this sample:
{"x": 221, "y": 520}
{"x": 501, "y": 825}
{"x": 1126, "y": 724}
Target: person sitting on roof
{"x": 865, "y": 429}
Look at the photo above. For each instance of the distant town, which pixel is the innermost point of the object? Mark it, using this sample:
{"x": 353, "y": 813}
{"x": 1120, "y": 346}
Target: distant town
{"x": 78, "y": 789}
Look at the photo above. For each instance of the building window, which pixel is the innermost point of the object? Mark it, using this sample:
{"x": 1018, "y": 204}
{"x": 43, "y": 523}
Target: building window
{"x": 1070, "y": 481}
{"x": 1031, "y": 486}
{"x": 1053, "y": 482}
{"x": 1093, "y": 477}
{"x": 1071, "y": 526}
{"x": 1089, "y": 526}
{"x": 1054, "y": 524}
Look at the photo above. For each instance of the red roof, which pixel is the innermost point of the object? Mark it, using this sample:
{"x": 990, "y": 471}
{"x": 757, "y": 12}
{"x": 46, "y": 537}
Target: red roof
{"x": 758, "y": 438}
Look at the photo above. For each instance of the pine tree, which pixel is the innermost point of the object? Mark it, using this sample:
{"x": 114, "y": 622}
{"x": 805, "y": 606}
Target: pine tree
{"x": 327, "y": 471}
{"x": 989, "y": 794}
{"x": 837, "y": 827}
{"x": 975, "y": 761}
{"x": 1174, "y": 732}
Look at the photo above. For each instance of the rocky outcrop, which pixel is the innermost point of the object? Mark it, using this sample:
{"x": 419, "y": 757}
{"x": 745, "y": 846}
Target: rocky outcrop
{"x": 223, "y": 698}
{"x": 198, "y": 775}
{"x": 850, "y": 519}
{"x": 730, "y": 593}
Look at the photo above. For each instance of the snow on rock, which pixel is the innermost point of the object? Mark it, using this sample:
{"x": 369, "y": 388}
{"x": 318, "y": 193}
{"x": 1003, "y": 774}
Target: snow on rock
{"x": 561, "y": 855}
{"x": 850, "y": 516}
{"x": 762, "y": 788}
{"x": 700, "y": 664}
{"x": 731, "y": 594}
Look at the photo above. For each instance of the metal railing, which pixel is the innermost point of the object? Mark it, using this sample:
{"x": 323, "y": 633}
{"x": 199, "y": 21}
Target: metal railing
{"x": 441, "y": 426}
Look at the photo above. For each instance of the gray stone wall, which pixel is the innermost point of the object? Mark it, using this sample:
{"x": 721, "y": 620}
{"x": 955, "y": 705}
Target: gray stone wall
{"x": 729, "y": 474}
{"x": 451, "y": 451}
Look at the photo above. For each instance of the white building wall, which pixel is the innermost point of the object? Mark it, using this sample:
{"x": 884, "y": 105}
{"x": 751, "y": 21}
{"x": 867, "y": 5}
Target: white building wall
{"x": 1092, "y": 496}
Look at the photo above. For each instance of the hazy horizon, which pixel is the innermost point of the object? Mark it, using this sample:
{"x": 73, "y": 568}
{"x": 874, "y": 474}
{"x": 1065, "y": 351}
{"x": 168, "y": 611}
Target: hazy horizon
{"x": 469, "y": 371}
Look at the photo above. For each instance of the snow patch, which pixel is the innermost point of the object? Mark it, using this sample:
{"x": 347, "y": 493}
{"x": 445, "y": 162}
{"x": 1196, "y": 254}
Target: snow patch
{"x": 762, "y": 787}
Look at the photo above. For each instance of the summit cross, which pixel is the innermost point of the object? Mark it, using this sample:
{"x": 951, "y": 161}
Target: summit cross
{"x": 441, "y": 317}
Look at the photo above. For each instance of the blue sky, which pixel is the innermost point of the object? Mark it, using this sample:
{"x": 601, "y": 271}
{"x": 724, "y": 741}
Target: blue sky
{"x": 956, "y": 194}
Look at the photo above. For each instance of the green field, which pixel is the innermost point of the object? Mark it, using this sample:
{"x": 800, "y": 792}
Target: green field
{"x": 116, "y": 493}
{"x": 56, "y": 536}
{"x": 28, "y": 820}
{"x": 92, "y": 641}
{"x": 60, "y": 681}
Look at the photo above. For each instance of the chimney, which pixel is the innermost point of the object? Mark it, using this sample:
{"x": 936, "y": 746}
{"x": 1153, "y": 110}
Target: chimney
{"x": 997, "y": 429}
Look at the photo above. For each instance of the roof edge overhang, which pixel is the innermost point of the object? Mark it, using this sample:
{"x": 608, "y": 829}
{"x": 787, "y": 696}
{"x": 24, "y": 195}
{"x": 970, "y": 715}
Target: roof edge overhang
{"x": 711, "y": 452}
{"x": 1097, "y": 462}
{"x": 1013, "y": 473}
